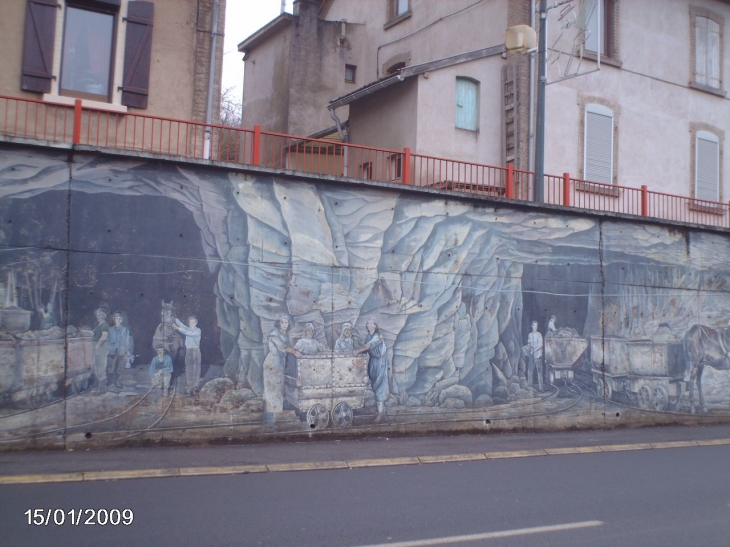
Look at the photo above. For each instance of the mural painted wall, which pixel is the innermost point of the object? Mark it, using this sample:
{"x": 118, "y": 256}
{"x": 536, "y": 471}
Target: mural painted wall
{"x": 144, "y": 301}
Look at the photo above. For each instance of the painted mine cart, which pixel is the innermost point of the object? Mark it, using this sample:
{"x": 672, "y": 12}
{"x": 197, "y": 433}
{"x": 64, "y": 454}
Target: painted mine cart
{"x": 326, "y": 385}
{"x": 650, "y": 373}
{"x": 561, "y": 353}
{"x": 34, "y": 372}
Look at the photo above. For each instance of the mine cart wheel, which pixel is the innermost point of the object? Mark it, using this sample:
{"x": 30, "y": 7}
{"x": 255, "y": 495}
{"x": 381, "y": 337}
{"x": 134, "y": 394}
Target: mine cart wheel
{"x": 604, "y": 389}
{"x": 80, "y": 383}
{"x": 342, "y": 415}
{"x": 661, "y": 399}
{"x": 645, "y": 397}
{"x": 318, "y": 417}
{"x": 39, "y": 397}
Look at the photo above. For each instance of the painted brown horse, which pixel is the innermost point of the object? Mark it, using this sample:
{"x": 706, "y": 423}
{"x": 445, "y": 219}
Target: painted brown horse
{"x": 704, "y": 346}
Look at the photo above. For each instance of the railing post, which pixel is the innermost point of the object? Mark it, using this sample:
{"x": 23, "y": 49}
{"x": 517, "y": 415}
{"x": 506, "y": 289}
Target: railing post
{"x": 644, "y": 200}
{"x": 406, "y": 165}
{"x": 509, "y": 191}
{"x": 256, "y": 152}
{"x": 77, "y": 122}
{"x": 566, "y": 189}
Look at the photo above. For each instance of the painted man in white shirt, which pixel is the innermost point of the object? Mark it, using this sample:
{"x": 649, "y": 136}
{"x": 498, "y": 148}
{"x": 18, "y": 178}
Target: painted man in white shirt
{"x": 534, "y": 355}
{"x": 192, "y": 351}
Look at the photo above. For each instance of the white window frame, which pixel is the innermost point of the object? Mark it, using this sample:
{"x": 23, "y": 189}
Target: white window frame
{"x": 600, "y": 110}
{"x": 709, "y": 137}
{"x": 118, "y": 63}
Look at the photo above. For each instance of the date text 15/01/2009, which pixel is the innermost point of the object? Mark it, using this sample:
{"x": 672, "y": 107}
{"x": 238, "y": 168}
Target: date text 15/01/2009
{"x": 79, "y": 517}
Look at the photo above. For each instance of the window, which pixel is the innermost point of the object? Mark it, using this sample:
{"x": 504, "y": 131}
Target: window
{"x": 398, "y": 10}
{"x": 80, "y": 64}
{"x": 86, "y": 55}
{"x": 598, "y": 144}
{"x": 467, "y": 104}
{"x": 707, "y": 166}
{"x": 601, "y": 22}
{"x": 707, "y": 52}
{"x": 350, "y": 73}
{"x": 366, "y": 170}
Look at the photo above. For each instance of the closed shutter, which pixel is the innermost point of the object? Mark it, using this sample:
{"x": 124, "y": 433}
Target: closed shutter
{"x": 713, "y": 54}
{"x": 701, "y": 50}
{"x": 707, "y": 178}
{"x": 466, "y": 104}
{"x": 138, "y": 54}
{"x": 598, "y": 165}
{"x": 707, "y": 52}
{"x": 40, "y": 32}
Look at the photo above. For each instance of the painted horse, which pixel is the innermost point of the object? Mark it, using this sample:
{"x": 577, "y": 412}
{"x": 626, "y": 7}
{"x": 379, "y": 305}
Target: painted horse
{"x": 704, "y": 346}
{"x": 170, "y": 339}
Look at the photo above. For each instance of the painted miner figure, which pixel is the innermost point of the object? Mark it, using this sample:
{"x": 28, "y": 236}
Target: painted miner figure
{"x": 348, "y": 340}
{"x": 308, "y": 345}
{"x": 120, "y": 347}
{"x": 377, "y": 366}
{"x": 278, "y": 346}
{"x": 170, "y": 339}
{"x": 192, "y": 351}
{"x": 533, "y": 352}
{"x": 101, "y": 349}
{"x": 160, "y": 370}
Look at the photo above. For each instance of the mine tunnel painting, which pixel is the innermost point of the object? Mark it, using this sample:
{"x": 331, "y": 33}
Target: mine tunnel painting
{"x": 142, "y": 299}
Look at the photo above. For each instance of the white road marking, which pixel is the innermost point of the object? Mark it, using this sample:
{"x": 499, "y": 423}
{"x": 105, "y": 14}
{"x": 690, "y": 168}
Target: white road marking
{"x": 491, "y": 535}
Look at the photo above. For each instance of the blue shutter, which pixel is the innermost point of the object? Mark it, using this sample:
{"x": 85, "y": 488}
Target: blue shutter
{"x": 467, "y": 104}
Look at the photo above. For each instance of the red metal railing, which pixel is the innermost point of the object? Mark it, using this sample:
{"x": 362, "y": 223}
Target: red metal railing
{"x": 33, "y": 119}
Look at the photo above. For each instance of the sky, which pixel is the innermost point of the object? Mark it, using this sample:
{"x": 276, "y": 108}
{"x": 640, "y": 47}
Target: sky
{"x": 243, "y": 18}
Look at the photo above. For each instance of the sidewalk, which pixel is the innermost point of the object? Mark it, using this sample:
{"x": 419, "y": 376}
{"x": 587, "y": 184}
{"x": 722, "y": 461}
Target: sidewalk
{"x": 346, "y": 453}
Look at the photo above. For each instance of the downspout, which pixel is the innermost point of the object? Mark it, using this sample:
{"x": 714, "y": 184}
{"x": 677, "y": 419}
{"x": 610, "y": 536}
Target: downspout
{"x": 344, "y": 138}
{"x": 531, "y": 116}
{"x": 211, "y": 81}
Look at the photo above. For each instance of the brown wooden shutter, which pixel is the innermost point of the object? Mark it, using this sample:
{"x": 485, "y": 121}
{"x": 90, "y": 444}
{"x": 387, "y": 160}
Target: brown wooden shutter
{"x": 138, "y": 54}
{"x": 40, "y": 32}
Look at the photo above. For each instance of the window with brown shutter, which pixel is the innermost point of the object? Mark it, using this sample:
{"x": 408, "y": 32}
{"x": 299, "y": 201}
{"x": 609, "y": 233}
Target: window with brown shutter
{"x": 138, "y": 54}
{"x": 40, "y": 31}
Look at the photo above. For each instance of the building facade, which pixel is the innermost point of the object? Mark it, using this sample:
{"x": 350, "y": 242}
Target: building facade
{"x": 150, "y": 57}
{"x": 425, "y": 75}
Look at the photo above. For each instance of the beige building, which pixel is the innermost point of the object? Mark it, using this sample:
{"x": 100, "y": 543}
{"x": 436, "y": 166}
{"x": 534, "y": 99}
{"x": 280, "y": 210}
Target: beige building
{"x": 150, "y": 57}
{"x": 431, "y": 76}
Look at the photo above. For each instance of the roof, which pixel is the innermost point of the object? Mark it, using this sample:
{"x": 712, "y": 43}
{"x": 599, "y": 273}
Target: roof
{"x": 414, "y": 70}
{"x": 265, "y": 32}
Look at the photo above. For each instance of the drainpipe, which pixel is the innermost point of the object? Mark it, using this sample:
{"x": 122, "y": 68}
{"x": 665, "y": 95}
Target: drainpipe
{"x": 531, "y": 117}
{"x": 344, "y": 138}
{"x": 211, "y": 81}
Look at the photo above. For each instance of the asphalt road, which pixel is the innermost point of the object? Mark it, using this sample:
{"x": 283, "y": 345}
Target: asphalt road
{"x": 670, "y": 497}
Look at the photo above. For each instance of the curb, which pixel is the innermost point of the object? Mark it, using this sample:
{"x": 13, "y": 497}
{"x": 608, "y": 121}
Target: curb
{"x": 89, "y": 476}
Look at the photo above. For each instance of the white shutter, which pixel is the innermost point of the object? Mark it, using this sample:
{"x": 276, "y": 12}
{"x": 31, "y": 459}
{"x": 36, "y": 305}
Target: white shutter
{"x": 598, "y": 161}
{"x": 402, "y": 7}
{"x": 467, "y": 102}
{"x": 707, "y": 166}
{"x": 713, "y": 54}
{"x": 701, "y": 50}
